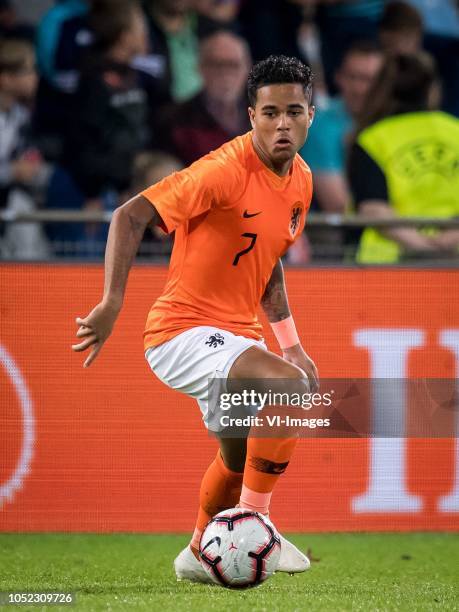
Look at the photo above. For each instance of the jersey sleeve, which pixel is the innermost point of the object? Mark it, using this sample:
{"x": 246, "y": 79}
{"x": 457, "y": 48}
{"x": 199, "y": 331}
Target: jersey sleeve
{"x": 188, "y": 193}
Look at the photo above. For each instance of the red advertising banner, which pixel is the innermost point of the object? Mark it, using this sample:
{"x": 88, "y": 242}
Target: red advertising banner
{"x": 109, "y": 448}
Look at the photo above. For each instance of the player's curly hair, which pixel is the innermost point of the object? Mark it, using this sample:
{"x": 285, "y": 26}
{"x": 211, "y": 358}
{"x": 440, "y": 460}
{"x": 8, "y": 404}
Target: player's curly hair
{"x": 277, "y": 69}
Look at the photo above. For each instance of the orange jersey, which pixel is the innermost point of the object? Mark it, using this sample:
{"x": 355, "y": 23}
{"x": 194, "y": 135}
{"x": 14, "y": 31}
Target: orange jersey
{"x": 233, "y": 219}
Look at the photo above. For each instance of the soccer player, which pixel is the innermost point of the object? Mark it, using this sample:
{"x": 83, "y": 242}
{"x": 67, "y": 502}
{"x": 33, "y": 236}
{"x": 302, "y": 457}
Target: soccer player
{"x": 235, "y": 212}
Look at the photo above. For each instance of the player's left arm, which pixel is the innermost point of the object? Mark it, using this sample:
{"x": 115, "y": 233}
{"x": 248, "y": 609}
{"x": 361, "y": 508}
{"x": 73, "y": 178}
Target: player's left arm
{"x": 276, "y": 308}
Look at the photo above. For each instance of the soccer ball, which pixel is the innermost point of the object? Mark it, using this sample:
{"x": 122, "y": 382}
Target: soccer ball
{"x": 239, "y": 548}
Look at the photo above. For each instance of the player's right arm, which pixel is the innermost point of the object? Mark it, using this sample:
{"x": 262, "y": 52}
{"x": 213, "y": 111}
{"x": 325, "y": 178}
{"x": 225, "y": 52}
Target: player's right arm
{"x": 126, "y": 231}
{"x": 169, "y": 203}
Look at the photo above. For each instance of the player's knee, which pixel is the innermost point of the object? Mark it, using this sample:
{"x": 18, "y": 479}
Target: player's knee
{"x": 286, "y": 378}
{"x": 290, "y": 374}
{"x": 283, "y": 369}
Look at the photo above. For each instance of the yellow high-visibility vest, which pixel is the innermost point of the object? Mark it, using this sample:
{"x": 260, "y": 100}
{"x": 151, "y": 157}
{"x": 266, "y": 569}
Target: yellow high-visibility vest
{"x": 419, "y": 156}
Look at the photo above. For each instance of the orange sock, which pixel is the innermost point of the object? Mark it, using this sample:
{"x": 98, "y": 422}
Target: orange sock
{"x": 220, "y": 489}
{"x": 267, "y": 459}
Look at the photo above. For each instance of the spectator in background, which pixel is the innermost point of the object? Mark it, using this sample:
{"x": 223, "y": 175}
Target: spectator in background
{"x": 64, "y": 42}
{"x": 405, "y": 162}
{"x": 341, "y": 23}
{"x": 10, "y": 26}
{"x": 18, "y": 81}
{"x": 150, "y": 168}
{"x": 326, "y": 148}
{"x": 441, "y": 25}
{"x": 224, "y": 12}
{"x": 219, "y": 112}
{"x": 63, "y": 39}
{"x": 401, "y": 28}
{"x": 175, "y": 30}
{"x": 310, "y": 45}
{"x": 23, "y": 173}
{"x": 109, "y": 126}
{"x": 271, "y": 27}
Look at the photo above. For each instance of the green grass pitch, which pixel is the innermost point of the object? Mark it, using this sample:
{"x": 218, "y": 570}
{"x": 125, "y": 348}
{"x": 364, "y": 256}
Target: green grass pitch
{"x": 368, "y": 572}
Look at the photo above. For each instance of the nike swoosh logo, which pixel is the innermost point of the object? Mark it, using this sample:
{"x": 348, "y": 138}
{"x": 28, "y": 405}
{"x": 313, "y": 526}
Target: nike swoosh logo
{"x": 214, "y": 539}
{"x": 247, "y": 215}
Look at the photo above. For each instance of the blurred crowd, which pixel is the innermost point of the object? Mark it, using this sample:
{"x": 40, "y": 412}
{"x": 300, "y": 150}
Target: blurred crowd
{"x": 101, "y": 98}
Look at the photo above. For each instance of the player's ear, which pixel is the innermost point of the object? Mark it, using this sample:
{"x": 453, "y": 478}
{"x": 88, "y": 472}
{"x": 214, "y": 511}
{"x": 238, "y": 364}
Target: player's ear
{"x": 252, "y": 116}
{"x": 311, "y": 113}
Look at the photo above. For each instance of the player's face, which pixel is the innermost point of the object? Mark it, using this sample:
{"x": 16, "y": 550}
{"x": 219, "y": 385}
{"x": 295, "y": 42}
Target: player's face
{"x": 280, "y": 121}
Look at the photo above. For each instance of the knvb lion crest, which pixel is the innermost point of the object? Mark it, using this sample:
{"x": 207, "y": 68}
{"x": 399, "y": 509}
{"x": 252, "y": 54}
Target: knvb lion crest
{"x": 295, "y": 217}
{"x": 215, "y": 339}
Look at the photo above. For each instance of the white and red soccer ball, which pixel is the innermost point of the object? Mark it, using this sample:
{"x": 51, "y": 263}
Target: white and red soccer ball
{"x": 239, "y": 548}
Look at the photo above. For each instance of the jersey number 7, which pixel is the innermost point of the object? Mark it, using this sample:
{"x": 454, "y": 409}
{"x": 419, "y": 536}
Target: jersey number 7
{"x": 253, "y": 239}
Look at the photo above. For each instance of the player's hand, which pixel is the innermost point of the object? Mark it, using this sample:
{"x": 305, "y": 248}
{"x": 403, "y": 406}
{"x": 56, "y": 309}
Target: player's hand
{"x": 298, "y": 356}
{"x": 95, "y": 329}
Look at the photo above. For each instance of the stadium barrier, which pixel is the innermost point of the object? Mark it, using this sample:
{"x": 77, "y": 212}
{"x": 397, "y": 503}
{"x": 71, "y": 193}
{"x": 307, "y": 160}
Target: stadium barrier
{"x": 333, "y": 238}
{"x": 110, "y": 448}
{"x": 313, "y": 219}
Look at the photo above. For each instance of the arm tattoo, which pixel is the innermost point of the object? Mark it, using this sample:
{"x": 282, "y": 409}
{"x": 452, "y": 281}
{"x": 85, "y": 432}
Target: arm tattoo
{"x": 274, "y": 300}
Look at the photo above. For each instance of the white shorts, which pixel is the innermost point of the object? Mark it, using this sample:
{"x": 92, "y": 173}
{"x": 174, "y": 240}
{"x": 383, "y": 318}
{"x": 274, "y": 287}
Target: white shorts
{"x": 188, "y": 362}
